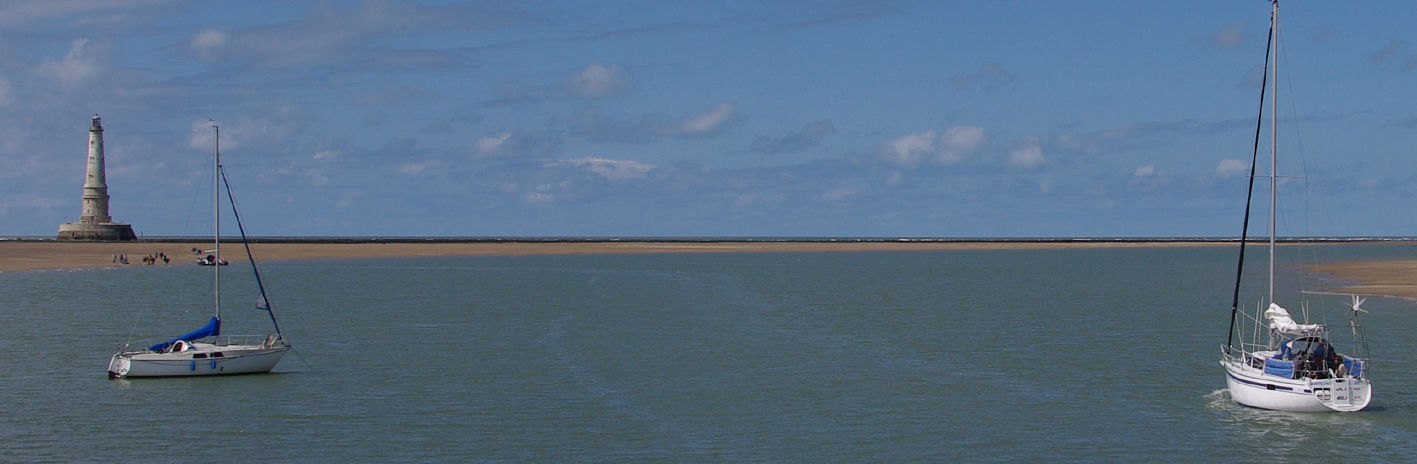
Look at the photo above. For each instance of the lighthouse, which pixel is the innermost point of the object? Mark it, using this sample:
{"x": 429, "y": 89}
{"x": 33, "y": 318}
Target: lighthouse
{"x": 95, "y": 223}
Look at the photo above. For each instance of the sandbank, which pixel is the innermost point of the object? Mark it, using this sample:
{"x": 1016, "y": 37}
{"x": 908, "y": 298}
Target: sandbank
{"x": 1397, "y": 277}
{"x": 31, "y": 255}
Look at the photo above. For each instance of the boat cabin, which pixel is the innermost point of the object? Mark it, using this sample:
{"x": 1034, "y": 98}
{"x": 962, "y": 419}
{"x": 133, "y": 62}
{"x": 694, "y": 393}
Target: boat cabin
{"x": 1310, "y": 357}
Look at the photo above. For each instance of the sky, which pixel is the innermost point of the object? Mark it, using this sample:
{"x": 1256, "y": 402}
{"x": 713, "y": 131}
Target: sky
{"x": 693, "y": 119}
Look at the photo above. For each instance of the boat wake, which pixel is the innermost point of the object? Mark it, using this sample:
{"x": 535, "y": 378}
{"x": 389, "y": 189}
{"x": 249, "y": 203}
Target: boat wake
{"x": 1219, "y": 400}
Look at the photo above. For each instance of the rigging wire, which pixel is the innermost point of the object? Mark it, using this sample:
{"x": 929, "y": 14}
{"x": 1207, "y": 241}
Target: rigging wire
{"x": 1308, "y": 255}
{"x": 265, "y": 302}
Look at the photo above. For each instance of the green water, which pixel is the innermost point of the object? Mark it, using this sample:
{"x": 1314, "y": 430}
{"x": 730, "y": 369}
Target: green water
{"x": 964, "y": 356}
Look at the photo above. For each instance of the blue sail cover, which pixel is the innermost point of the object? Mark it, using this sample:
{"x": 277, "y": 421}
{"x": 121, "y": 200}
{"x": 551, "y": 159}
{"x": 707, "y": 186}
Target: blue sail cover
{"x": 212, "y": 329}
{"x": 1280, "y": 368}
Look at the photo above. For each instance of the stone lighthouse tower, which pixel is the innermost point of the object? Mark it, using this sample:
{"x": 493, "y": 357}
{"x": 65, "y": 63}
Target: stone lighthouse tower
{"x": 95, "y": 223}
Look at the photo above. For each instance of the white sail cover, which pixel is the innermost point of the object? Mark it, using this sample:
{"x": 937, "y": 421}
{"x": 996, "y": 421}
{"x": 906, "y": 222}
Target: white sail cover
{"x": 1280, "y": 321}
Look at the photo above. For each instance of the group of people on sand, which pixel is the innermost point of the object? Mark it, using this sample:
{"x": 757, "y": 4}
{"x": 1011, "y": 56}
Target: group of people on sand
{"x": 122, "y": 258}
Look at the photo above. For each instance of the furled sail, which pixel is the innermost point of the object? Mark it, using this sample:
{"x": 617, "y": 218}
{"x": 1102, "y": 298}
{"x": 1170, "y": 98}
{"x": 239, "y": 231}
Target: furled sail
{"x": 212, "y": 329}
{"x": 1280, "y": 321}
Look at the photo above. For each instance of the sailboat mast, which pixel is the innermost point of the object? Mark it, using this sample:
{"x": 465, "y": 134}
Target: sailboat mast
{"x": 1250, "y": 191}
{"x": 1273, "y": 143}
{"x": 216, "y": 217}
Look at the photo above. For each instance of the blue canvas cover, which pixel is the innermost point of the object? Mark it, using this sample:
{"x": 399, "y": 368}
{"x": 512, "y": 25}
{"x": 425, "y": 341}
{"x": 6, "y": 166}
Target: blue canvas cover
{"x": 212, "y": 329}
{"x": 1280, "y": 368}
{"x": 1355, "y": 367}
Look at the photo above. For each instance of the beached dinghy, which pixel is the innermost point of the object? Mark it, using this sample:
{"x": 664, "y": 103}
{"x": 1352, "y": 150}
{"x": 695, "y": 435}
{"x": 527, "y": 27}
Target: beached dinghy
{"x": 1286, "y": 365}
{"x": 206, "y": 351}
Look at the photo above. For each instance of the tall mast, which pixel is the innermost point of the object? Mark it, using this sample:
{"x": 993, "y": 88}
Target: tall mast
{"x": 1273, "y": 142}
{"x": 1250, "y": 190}
{"x": 216, "y": 217}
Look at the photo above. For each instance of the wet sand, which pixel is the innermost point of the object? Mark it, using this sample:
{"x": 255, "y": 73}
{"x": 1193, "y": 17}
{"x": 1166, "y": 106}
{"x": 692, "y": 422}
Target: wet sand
{"x": 1379, "y": 277}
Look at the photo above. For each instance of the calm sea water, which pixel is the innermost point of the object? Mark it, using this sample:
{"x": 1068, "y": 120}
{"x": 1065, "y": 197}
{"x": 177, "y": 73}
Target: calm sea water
{"x": 966, "y": 356}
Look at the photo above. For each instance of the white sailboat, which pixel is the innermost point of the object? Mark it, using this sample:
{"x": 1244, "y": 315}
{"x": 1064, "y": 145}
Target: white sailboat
{"x": 206, "y": 351}
{"x": 1286, "y": 365}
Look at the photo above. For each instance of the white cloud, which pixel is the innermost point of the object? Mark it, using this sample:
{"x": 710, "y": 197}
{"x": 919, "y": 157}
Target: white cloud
{"x": 911, "y": 148}
{"x": 492, "y": 143}
{"x": 1229, "y": 36}
{"x": 1145, "y": 171}
{"x": 544, "y": 194}
{"x": 317, "y": 177}
{"x": 1231, "y": 168}
{"x": 709, "y": 121}
{"x": 200, "y": 134}
{"x": 516, "y": 143}
{"x": 327, "y": 154}
{"x": 29, "y": 202}
{"x": 960, "y": 142}
{"x": 597, "y": 80}
{"x": 205, "y": 43}
{"x": 345, "y": 198}
{"x": 414, "y": 169}
{"x": 1028, "y": 155}
{"x": 594, "y": 124}
{"x": 27, "y": 13}
{"x": 540, "y": 195}
{"x": 339, "y": 34}
{"x": 278, "y": 124}
{"x": 953, "y": 146}
{"x": 610, "y": 169}
{"x": 77, "y": 66}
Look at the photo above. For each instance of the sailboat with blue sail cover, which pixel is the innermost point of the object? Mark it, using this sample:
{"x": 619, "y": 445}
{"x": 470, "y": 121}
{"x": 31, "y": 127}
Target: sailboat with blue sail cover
{"x": 205, "y": 351}
{"x": 1276, "y": 362}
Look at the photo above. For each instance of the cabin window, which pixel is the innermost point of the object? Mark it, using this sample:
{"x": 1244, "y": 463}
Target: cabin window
{"x": 199, "y": 355}
{"x": 217, "y": 355}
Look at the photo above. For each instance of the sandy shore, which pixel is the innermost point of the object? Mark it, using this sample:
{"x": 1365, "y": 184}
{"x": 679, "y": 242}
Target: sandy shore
{"x": 29, "y": 255}
{"x": 1396, "y": 277}
{"x": 1382, "y": 277}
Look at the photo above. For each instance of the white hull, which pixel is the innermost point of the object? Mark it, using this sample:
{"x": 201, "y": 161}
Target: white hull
{"x": 202, "y": 360}
{"x": 1252, "y": 387}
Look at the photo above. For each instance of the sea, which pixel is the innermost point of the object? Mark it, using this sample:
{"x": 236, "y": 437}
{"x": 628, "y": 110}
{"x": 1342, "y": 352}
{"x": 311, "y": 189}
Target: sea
{"x": 1064, "y": 355}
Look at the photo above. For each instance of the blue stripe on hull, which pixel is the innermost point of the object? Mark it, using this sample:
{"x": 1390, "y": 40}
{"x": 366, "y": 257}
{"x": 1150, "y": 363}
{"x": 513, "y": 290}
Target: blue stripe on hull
{"x": 1258, "y": 384}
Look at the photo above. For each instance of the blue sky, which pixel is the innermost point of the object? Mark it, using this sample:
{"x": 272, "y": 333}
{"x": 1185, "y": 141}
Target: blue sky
{"x": 642, "y": 118}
